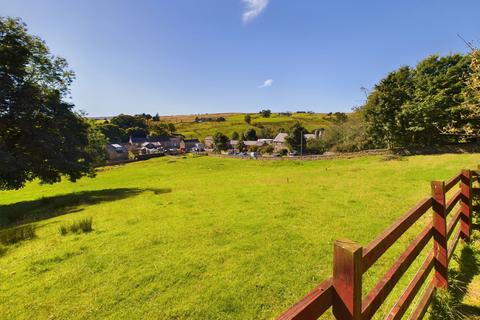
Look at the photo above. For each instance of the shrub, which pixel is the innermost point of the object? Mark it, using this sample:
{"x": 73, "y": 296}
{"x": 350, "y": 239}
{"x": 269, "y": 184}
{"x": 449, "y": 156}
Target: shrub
{"x": 82, "y": 225}
{"x": 63, "y": 230}
{"x": 266, "y": 149}
{"x": 315, "y": 146}
{"x": 283, "y": 152}
{"x": 445, "y": 306}
{"x": 14, "y": 235}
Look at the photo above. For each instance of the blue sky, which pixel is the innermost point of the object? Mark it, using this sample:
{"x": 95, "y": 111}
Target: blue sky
{"x": 199, "y": 56}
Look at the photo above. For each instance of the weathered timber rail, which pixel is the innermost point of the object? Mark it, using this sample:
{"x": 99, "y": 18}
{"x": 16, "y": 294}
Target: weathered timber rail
{"x": 343, "y": 291}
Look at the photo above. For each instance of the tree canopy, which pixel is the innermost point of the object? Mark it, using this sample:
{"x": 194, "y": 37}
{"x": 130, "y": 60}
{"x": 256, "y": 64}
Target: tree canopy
{"x": 40, "y": 134}
{"x": 419, "y": 106}
{"x": 295, "y": 139}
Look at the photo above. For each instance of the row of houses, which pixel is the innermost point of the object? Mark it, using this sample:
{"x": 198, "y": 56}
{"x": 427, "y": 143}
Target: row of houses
{"x": 279, "y": 142}
{"x": 159, "y": 145}
{"x": 152, "y": 145}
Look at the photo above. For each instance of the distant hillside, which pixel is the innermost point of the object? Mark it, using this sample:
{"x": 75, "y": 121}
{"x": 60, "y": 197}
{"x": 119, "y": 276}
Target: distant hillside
{"x": 187, "y": 125}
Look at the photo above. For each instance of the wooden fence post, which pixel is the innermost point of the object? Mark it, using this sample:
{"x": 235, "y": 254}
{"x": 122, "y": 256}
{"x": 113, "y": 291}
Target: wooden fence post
{"x": 347, "y": 280}
{"x": 440, "y": 234}
{"x": 466, "y": 204}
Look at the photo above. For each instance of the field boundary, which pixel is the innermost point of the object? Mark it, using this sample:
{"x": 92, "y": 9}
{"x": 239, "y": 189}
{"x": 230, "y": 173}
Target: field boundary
{"x": 343, "y": 291}
{"x": 343, "y": 155}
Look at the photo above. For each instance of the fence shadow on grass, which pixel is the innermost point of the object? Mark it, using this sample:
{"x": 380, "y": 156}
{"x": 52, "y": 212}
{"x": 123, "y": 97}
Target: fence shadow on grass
{"x": 30, "y": 211}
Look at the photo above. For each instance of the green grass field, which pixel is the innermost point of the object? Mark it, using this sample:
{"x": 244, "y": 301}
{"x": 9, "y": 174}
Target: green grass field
{"x": 235, "y": 122}
{"x": 203, "y": 238}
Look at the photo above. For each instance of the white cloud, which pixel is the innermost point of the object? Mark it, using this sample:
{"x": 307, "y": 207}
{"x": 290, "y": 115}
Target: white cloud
{"x": 266, "y": 83}
{"x": 253, "y": 8}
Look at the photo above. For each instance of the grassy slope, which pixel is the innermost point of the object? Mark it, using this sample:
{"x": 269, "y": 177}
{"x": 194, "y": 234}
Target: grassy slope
{"x": 204, "y": 237}
{"x": 235, "y": 122}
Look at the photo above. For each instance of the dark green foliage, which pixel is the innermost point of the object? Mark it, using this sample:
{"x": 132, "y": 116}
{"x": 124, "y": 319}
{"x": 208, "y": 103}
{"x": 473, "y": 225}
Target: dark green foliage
{"x": 315, "y": 146}
{"x": 160, "y": 129}
{"x": 145, "y": 116}
{"x": 248, "y": 118}
{"x": 349, "y": 136}
{"x": 241, "y": 146}
{"x": 295, "y": 140}
{"x": 14, "y": 235}
{"x": 266, "y": 113}
{"x": 171, "y": 128}
{"x": 83, "y": 225}
{"x": 96, "y": 146}
{"x": 235, "y": 135}
{"x": 40, "y": 134}
{"x": 445, "y": 306}
{"x": 250, "y": 135}
{"x": 221, "y": 141}
{"x": 156, "y": 117}
{"x": 126, "y": 121}
{"x": 418, "y": 106}
{"x": 112, "y": 132}
{"x": 136, "y": 132}
{"x": 266, "y": 149}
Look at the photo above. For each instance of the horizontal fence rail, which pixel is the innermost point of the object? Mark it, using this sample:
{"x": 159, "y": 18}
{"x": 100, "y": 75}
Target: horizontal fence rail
{"x": 343, "y": 292}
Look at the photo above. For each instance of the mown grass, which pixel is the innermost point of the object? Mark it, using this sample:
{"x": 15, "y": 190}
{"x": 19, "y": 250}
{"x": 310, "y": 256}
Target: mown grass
{"x": 235, "y": 122}
{"x": 204, "y": 238}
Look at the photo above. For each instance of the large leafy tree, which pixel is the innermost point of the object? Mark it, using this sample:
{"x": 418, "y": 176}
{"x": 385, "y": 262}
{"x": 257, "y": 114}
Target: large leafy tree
{"x": 295, "y": 140}
{"x": 439, "y": 84}
{"x": 250, "y": 134}
{"x": 40, "y": 134}
{"x": 384, "y": 105}
{"x": 221, "y": 141}
{"x": 468, "y": 122}
{"x": 421, "y": 106}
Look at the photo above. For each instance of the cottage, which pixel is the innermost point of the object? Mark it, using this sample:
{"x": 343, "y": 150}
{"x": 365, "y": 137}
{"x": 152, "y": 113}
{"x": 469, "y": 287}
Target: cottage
{"x": 264, "y": 142}
{"x": 117, "y": 152}
{"x": 188, "y": 145}
{"x": 174, "y": 142}
{"x": 136, "y": 142}
{"x": 279, "y": 142}
{"x": 250, "y": 143}
{"x": 209, "y": 143}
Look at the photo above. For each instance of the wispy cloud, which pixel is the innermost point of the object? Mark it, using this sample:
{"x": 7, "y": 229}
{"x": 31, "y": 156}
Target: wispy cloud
{"x": 266, "y": 83}
{"x": 253, "y": 8}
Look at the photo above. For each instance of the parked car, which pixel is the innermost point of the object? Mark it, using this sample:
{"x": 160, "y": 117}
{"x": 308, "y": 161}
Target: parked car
{"x": 293, "y": 154}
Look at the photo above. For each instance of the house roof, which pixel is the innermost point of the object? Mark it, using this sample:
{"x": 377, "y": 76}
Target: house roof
{"x": 191, "y": 140}
{"x": 138, "y": 140}
{"x": 250, "y": 143}
{"x": 280, "y": 137}
{"x": 117, "y": 147}
{"x": 159, "y": 139}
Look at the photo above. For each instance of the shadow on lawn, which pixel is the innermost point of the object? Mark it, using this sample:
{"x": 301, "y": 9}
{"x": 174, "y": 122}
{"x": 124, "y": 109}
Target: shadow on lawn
{"x": 30, "y": 211}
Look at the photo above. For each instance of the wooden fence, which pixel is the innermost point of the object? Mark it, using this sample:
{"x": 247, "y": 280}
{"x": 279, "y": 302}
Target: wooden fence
{"x": 343, "y": 291}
